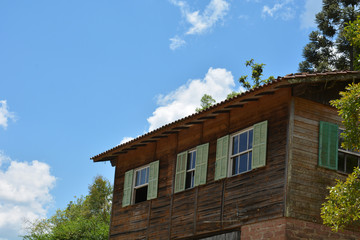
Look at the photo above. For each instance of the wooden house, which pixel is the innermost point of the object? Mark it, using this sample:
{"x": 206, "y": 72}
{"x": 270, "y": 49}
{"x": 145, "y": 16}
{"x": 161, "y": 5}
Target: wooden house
{"x": 252, "y": 167}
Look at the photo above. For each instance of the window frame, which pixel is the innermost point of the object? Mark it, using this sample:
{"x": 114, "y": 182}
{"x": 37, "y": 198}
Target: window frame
{"x": 231, "y": 156}
{"x": 346, "y": 152}
{"x": 192, "y": 170}
{"x": 134, "y": 187}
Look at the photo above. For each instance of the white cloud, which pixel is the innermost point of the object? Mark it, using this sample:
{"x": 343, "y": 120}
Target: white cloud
{"x": 312, "y": 7}
{"x": 126, "y": 139}
{"x": 24, "y": 194}
{"x": 200, "y": 22}
{"x": 176, "y": 42}
{"x": 5, "y": 115}
{"x": 218, "y": 82}
{"x": 283, "y": 9}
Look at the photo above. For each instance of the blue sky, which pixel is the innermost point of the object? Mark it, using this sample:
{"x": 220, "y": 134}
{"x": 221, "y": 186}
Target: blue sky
{"x": 80, "y": 77}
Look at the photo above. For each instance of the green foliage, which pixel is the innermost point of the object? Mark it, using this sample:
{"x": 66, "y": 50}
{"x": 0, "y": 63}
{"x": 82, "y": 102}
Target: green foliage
{"x": 86, "y": 218}
{"x": 342, "y": 207}
{"x": 349, "y": 110}
{"x": 232, "y": 94}
{"x": 256, "y": 73}
{"x": 206, "y": 102}
{"x": 352, "y": 34}
{"x": 328, "y": 49}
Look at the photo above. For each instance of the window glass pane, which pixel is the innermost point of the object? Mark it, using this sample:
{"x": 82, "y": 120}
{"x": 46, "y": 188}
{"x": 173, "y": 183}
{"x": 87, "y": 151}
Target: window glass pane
{"x": 351, "y": 162}
{"x": 250, "y": 139}
{"x": 235, "y": 145}
{"x": 189, "y": 182}
{"x": 191, "y": 160}
{"x": 243, "y": 163}
{"x": 250, "y": 160}
{"x": 137, "y": 178}
{"x": 147, "y": 175}
{"x": 341, "y": 162}
{"x": 143, "y": 176}
{"x": 235, "y": 167}
{"x": 243, "y": 142}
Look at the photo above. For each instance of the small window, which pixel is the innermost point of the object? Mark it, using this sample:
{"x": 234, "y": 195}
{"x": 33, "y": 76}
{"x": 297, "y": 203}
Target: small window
{"x": 347, "y": 159}
{"x": 141, "y": 184}
{"x": 190, "y": 169}
{"x": 241, "y": 152}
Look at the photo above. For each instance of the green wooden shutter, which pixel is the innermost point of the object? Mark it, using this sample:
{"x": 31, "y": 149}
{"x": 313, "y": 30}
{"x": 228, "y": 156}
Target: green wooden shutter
{"x": 222, "y": 155}
{"x": 202, "y": 152}
{"x": 128, "y": 188}
{"x": 259, "y": 144}
{"x": 180, "y": 173}
{"x": 328, "y": 145}
{"x": 153, "y": 180}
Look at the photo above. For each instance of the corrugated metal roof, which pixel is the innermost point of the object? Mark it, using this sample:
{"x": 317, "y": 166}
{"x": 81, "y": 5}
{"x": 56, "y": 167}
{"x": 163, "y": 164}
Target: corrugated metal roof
{"x": 286, "y": 81}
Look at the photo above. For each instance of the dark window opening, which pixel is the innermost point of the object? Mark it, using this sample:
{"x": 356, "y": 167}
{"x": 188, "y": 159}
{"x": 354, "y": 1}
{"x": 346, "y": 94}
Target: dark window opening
{"x": 141, "y": 194}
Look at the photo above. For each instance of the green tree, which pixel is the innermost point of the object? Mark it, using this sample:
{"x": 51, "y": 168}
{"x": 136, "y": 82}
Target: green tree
{"x": 232, "y": 94}
{"x": 206, "y": 102}
{"x": 349, "y": 110}
{"x": 352, "y": 34}
{"x": 86, "y": 218}
{"x": 328, "y": 49}
{"x": 342, "y": 206}
{"x": 256, "y": 73}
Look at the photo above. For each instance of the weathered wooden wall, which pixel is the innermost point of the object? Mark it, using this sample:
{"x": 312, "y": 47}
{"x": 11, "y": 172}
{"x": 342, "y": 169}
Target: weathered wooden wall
{"x": 307, "y": 182}
{"x": 218, "y": 206}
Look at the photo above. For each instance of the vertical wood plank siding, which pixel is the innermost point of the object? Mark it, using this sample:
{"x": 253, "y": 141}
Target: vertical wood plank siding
{"x": 217, "y": 206}
{"x": 307, "y": 182}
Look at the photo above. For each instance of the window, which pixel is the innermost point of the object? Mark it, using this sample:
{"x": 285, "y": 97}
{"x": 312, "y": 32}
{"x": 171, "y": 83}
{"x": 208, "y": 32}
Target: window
{"x": 141, "y": 184}
{"x": 191, "y": 168}
{"x": 347, "y": 159}
{"x": 331, "y": 154}
{"x": 241, "y": 152}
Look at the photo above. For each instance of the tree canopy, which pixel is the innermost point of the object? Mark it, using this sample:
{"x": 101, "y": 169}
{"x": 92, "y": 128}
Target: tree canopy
{"x": 256, "y": 73}
{"x": 342, "y": 206}
{"x": 86, "y": 218}
{"x": 206, "y": 102}
{"x": 328, "y": 48}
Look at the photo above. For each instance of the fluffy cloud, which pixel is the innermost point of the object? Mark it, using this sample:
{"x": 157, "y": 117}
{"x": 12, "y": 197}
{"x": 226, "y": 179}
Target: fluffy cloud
{"x": 308, "y": 16}
{"x": 200, "y": 22}
{"x": 283, "y": 9}
{"x": 24, "y": 194}
{"x": 218, "y": 82}
{"x": 5, "y": 115}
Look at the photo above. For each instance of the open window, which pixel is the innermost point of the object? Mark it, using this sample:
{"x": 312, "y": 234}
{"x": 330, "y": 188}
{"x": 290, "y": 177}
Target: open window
{"x": 141, "y": 184}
